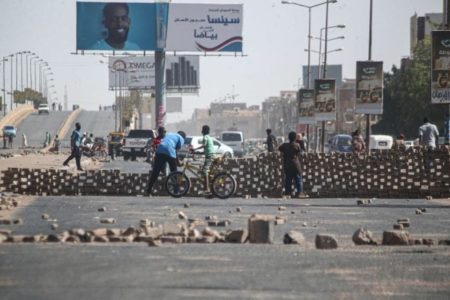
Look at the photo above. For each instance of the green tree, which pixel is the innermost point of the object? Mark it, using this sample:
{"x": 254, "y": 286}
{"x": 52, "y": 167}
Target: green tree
{"x": 407, "y": 96}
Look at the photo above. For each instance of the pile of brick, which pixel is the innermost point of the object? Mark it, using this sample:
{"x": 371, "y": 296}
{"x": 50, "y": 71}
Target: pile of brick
{"x": 8, "y": 201}
{"x": 383, "y": 174}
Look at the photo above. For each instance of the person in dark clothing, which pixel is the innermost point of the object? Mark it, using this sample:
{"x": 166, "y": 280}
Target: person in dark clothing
{"x": 299, "y": 140}
{"x": 271, "y": 140}
{"x": 75, "y": 144}
{"x": 166, "y": 153}
{"x": 292, "y": 168}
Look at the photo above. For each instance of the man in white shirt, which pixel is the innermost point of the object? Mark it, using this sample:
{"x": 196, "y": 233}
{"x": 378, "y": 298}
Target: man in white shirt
{"x": 428, "y": 134}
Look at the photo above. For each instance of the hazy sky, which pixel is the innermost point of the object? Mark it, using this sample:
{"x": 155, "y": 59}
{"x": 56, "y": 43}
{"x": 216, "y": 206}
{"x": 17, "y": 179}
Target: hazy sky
{"x": 275, "y": 36}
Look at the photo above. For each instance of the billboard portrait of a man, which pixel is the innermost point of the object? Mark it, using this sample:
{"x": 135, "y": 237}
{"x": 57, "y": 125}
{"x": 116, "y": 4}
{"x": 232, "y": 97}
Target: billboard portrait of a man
{"x": 115, "y": 26}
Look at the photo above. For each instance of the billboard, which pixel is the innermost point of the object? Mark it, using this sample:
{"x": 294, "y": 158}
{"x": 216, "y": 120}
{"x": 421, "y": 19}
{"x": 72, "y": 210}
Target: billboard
{"x": 109, "y": 26}
{"x": 116, "y": 26}
{"x": 132, "y": 72}
{"x": 440, "y": 67}
{"x": 204, "y": 27}
{"x": 305, "y": 101}
{"x": 182, "y": 72}
{"x": 325, "y": 99}
{"x": 369, "y": 87}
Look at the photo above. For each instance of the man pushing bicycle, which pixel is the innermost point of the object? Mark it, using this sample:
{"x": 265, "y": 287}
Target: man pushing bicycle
{"x": 166, "y": 153}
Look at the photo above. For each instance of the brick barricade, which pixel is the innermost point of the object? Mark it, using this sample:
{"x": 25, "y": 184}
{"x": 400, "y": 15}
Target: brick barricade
{"x": 384, "y": 174}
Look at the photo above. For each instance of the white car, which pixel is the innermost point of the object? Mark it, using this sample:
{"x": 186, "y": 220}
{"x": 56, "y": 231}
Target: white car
{"x": 43, "y": 108}
{"x": 192, "y": 142}
{"x": 235, "y": 140}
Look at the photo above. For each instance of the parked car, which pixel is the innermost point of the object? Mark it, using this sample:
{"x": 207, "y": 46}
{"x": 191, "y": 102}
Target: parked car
{"x": 340, "y": 143}
{"x": 43, "y": 108}
{"x": 9, "y": 130}
{"x": 381, "y": 142}
{"x": 235, "y": 140}
{"x": 192, "y": 142}
{"x": 136, "y": 142}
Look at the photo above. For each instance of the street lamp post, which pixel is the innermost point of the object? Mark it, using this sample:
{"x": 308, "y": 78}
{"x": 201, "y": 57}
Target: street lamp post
{"x": 320, "y": 44}
{"x": 4, "y": 86}
{"x": 370, "y": 58}
{"x": 11, "y": 98}
{"x": 309, "y": 7}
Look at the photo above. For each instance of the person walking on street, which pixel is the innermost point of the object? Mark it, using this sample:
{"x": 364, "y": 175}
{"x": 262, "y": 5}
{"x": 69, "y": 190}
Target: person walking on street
{"x": 358, "y": 144}
{"x": 47, "y": 139}
{"x": 208, "y": 150}
{"x": 24, "y": 141}
{"x": 271, "y": 141}
{"x": 56, "y": 144}
{"x": 292, "y": 167}
{"x": 75, "y": 144}
{"x": 428, "y": 135}
{"x": 165, "y": 153}
{"x": 10, "y": 141}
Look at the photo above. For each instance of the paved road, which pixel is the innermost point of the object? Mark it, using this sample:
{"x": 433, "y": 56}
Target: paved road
{"x": 225, "y": 271}
{"x": 100, "y": 123}
{"x": 35, "y": 126}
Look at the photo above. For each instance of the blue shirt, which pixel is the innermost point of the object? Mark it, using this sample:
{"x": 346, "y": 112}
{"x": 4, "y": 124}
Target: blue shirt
{"x": 75, "y": 139}
{"x": 170, "y": 144}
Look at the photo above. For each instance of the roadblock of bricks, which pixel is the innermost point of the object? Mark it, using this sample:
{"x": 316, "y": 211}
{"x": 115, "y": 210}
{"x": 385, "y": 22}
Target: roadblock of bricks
{"x": 384, "y": 174}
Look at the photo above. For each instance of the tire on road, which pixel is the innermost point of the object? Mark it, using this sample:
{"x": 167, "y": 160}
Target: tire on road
{"x": 177, "y": 184}
{"x": 223, "y": 185}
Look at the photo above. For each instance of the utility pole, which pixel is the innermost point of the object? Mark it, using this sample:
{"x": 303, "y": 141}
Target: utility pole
{"x": 324, "y": 75}
{"x": 370, "y": 58}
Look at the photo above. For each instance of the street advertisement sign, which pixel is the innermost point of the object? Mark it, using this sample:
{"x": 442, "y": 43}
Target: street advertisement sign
{"x": 440, "y": 67}
{"x": 369, "y": 87}
{"x": 204, "y": 27}
{"x": 325, "y": 99}
{"x": 116, "y": 26}
{"x": 182, "y": 72}
{"x": 305, "y": 100}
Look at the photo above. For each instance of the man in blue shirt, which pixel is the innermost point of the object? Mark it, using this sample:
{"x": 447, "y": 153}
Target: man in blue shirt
{"x": 75, "y": 144}
{"x": 166, "y": 153}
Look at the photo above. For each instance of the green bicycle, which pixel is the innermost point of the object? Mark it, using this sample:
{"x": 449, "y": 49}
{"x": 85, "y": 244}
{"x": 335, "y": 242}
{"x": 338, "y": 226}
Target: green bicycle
{"x": 222, "y": 184}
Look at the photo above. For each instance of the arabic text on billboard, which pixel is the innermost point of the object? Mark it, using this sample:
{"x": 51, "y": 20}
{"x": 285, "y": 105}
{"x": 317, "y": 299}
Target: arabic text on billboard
{"x": 325, "y": 99}
{"x": 440, "y": 67}
{"x": 306, "y": 106}
{"x": 369, "y": 87}
{"x": 204, "y": 27}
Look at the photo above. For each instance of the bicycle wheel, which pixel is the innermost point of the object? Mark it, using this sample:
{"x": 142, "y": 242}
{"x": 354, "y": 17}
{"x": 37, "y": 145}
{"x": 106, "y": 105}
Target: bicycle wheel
{"x": 177, "y": 184}
{"x": 223, "y": 185}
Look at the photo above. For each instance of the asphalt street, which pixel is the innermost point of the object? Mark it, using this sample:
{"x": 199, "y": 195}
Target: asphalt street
{"x": 99, "y": 123}
{"x": 229, "y": 271}
{"x": 35, "y": 126}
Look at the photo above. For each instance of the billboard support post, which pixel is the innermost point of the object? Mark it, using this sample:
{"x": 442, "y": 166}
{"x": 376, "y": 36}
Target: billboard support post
{"x": 370, "y": 58}
{"x": 160, "y": 88}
